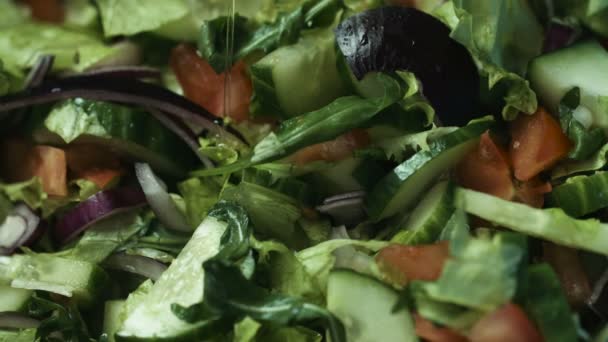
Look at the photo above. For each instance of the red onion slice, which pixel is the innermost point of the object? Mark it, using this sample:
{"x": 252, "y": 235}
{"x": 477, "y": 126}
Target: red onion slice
{"x": 129, "y": 71}
{"x": 15, "y": 320}
{"x": 97, "y": 207}
{"x": 127, "y": 91}
{"x": 136, "y": 264}
{"x": 159, "y": 199}
{"x": 18, "y": 229}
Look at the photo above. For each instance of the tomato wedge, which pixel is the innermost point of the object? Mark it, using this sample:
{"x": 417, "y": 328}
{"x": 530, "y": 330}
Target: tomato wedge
{"x": 333, "y": 150}
{"x": 93, "y": 163}
{"x": 432, "y": 333}
{"x": 537, "y": 143}
{"x": 401, "y": 263}
{"x": 487, "y": 169}
{"x": 507, "y": 324}
{"x": 221, "y": 94}
{"x": 47, "y": 10}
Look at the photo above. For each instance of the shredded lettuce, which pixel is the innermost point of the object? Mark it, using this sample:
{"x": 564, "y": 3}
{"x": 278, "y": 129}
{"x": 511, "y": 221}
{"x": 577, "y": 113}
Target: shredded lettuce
{"x": 502, "y": 36}
{"x": 21, "y": 45}
{"x": 199, "y": 194}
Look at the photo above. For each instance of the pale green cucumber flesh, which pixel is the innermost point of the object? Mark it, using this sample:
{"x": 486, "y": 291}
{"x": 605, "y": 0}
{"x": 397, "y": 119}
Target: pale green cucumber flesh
{"x": 427, "y": 220}
{"x": 12, "y": 299}
{"x": 365, "y": 306}
{"x": 182, "y": 283}
{"x": 584, "y": 65}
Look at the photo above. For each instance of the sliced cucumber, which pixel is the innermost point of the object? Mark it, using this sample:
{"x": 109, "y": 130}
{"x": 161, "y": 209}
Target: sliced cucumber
{"x": 365, "y": 307}
{"x": 130, "y": 132}
{"x": 299, "y": 78}
{"x": 112, "y": 318}
{"x": 12, "y": 299}
{"x": 549, "y": 224}
{"x": 402, "y": 187}
{"x": 80, "y": 280}
{"x": 182, "y": 283}
{"x": 584, "y": 65}
{"x": 428, "y": 219}
{"x": 581, "y": 195}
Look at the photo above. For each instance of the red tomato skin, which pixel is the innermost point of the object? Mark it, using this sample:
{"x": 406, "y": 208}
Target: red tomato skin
{"x": 51, "y": 11}
{"x": 569, "y": 269}
{"x": 486, "y": 169}
{"x": 202, "y": 85}
{"x": 334, "y": 150}
{"x": 430, "y": 332}
{"x": 401, "y": 263}
{"x": 537, "y": 143}
{"x": 507, "y": 324}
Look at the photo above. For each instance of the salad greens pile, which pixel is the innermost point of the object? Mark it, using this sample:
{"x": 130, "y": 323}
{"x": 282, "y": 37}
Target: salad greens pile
{"x": 303, "y": 170}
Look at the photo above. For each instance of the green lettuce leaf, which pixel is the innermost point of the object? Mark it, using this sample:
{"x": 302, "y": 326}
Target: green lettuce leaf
{"x": 595, "y": 162}
{"x": 22, "y": 45}
{"x": 106, "y": 236}
{"x": 547, "y": 304}
{"x": 550, "y": 224}
{"x": 273, "y": 214}
{"x": 11, "y": 14}
{"x": 466, "y": 279}
{"x": 502, "y": 36}
{"x": 31, "y": 193}
{"x": 246, "y": 329}
{"x": 401, "y": 147}
{"x": 82, "y": 15}
{"x": 586, "y": 141}
{"x": 199, "y": 194}
{"x": 135, "y": 16}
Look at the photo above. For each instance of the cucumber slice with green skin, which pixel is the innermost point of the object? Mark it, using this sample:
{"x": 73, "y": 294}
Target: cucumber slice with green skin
{"x": 130, "y": 132}
{"x": 81, "y": 280}
{"x": 403, "y": 186}
{"x": 12, "y": 299}
{"x": 549, "y": 224}
{"x": 365, "y": 306}
{"x": 298, "y": 78}
{"x": 111, "y": 318}
{"x": 182, "y": 283}
{"x": 584, "y": 65}
{"x": 581, "y": 195}
{"x": 427, "y": 220}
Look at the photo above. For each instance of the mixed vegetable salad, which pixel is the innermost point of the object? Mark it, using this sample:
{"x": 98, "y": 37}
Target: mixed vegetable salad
{"x": 304, "y": 170}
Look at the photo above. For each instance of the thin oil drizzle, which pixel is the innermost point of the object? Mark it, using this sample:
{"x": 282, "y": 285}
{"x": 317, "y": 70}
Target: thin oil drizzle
{"x": 229, "y": 62}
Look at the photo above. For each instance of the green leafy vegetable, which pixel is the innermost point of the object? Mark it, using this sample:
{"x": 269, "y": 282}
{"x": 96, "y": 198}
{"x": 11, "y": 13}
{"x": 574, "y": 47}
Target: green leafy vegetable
{"x": 581, "y": 195}
{"x": 503, "y": 37}
{"x": 547, "y": 305}
{"x": 401, "y": 147}
{"x": 22, "y": 45}
{"x": 105, "y": 236}
{"x": 11, "y": 14}
{"x": 5, "y": 208}
{"x": 550, "y": 224}
{"x": 586, "y": 141}
{"x": 248, "y": 39}
{"x": 325, "y": 124}
{"x": 228, "y": 294}
{"x": 200, "y": 194}
{"x": 245, "y": 330}
{"x": 64, "y": 321}
{"x": 466, "y": 280}
{"x": 235, "y": 240}
{"x": 597, "y": 161}
{"x": 273, "y": 214}
{"x": 135, "y": 16}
